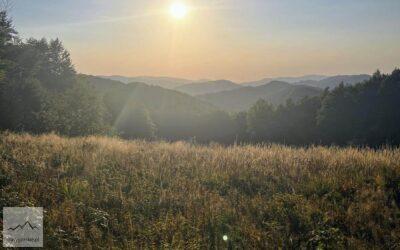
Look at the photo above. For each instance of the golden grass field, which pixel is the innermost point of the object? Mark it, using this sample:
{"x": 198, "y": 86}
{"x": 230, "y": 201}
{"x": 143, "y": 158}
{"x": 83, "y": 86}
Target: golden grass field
{"x": 101, "y": 192}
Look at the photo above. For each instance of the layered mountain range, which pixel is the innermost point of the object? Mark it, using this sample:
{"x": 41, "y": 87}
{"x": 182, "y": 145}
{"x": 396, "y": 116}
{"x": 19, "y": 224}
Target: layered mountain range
{"x": 224, "y": 94}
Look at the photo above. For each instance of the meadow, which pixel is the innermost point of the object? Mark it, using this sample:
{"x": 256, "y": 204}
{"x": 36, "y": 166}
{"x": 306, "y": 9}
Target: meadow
{"x": 103, "y": 193}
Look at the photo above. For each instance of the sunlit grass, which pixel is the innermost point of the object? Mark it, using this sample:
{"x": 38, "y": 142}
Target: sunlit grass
{"x": 99, "y": 191}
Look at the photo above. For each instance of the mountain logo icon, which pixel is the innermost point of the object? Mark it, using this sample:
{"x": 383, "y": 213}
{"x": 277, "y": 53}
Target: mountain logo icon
{"x": 20, "y": 227}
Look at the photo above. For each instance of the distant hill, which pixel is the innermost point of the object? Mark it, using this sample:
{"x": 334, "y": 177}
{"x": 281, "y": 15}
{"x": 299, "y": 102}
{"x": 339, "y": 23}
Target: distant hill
{"x": 165, "y": 82}
{"x": 199, "y": 88}
{"x": 155, "y": 98}
{"x": 276, "y": 92}
{"x": 285, "y": 79}
{"x": 334, "y": 81}
{"x": 175, "y": 114}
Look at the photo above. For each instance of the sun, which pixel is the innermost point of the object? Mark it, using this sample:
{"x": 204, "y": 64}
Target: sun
{"x": 178, "y": 10}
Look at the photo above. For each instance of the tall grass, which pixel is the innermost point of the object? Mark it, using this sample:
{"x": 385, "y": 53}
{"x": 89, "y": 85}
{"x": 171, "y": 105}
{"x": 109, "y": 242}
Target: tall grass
{"x": 102, "y": 192}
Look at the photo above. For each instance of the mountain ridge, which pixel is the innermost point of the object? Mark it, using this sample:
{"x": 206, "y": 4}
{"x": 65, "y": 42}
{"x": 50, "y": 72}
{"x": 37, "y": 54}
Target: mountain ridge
{"x": 198, "y": 88}
{"x": 334, "y": 81}
{"x": 154, "y": 97}
{"x": 162, "y": 81}
{"x": 275, "y": 92}
{"x": 284, "y": 79}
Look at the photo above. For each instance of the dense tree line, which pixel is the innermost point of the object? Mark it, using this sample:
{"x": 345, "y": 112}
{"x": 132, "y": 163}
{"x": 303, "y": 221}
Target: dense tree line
{"x": 41, "y": 92}
{"x": 365, "y": 114}
{"x": 39, "y": 88}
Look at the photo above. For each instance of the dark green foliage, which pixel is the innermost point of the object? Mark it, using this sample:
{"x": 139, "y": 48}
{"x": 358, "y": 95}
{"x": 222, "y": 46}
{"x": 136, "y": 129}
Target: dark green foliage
{"x": 77, "y": 111}
{"x": 39, "y": 91}
{"x": 257, "y": 118}
{"x": 291, "y": 123}
{"x": 337, "y": 111}
{"x": 7, "y": 32}
{"x": 364, "y": 114}
{"x": 20, "y": 103}
{"x": 54, "y": 68}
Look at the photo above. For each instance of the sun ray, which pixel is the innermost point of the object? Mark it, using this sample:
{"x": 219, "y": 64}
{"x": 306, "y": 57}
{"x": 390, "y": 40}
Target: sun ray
{"x": 178, "y": 10}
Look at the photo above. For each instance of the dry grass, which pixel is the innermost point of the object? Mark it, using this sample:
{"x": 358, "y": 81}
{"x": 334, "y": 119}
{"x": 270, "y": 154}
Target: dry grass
{"x": 107, "y": 193}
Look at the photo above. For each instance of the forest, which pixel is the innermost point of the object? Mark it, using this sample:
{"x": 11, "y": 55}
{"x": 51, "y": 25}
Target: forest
{"x": 41, "y": 92}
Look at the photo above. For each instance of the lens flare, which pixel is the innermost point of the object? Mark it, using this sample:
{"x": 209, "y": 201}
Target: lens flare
{"x": 178, "y": 10}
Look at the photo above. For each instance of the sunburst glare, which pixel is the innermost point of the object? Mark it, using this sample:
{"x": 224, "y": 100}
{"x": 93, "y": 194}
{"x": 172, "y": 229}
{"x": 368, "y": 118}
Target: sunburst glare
{"x": 178, "y": 10}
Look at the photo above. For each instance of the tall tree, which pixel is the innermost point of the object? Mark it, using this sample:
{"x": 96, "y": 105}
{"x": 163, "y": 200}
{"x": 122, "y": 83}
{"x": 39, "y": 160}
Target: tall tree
{"x": 55, "y": 69}
{"x": 7, "y": 32}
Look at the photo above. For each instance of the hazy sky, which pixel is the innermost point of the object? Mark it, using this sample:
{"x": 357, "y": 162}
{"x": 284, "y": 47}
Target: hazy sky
{"x": 232, "y": 39}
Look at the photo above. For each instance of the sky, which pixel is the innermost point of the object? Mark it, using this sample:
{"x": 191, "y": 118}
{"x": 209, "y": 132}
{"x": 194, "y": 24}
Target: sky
{"x": 240, "y": 40}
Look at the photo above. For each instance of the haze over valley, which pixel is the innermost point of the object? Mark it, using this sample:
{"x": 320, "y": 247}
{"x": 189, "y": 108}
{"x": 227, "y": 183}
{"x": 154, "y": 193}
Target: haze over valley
{"x": 231, "y": 96}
